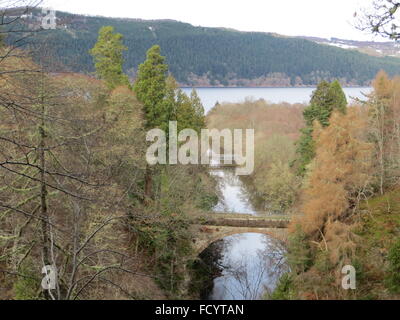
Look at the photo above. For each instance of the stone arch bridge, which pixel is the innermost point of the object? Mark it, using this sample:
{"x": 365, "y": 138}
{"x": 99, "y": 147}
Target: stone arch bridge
{"x": 216, "y": 226}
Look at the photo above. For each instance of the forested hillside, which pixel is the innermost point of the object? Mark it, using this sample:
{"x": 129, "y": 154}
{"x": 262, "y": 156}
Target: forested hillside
{"x": 212, "y": 56}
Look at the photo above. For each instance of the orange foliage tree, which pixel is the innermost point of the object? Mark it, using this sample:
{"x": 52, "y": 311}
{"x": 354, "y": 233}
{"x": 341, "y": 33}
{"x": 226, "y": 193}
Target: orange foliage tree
{"x": 322, "y": 238}
{"x": 339, "y": 177}
{"x": 384, "y": 129}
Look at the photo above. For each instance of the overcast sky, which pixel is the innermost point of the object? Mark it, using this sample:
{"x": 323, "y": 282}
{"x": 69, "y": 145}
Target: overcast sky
{"x": 321, "y": 18}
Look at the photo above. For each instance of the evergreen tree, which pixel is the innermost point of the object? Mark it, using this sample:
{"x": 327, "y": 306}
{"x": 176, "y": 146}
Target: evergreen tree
{"x": 108, "y": 57}
{"x": 305, "y": 150}
{"x": 163, "y": 102}
{"x": 338, "y": 97}
{"x": 170, "y": 101}
{"x": 325, "y": 99}
{"x": 199, "y": 109}
{"x": 158, "y": 103}
{"x": 187, "y": 111}
{"x": 151, "y": 90}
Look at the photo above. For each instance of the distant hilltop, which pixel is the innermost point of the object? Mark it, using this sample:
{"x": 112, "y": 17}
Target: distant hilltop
{"x": 201, "y": 56}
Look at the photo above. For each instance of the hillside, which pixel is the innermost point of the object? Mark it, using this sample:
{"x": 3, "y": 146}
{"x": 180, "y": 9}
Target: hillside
{"x": 373, "y": 48}
{"x": 213, "y": 56}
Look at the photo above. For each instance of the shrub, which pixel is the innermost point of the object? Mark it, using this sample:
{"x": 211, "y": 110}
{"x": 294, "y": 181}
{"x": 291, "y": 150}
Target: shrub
{"x": 26, "y": 286}
{"x": 299, "y": 254}
{"x": 284, "y": 290}
{"x": 393, "y": 279}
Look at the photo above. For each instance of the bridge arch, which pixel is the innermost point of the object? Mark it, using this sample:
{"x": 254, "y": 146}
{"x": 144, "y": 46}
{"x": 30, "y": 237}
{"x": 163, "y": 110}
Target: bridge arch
{"x": 207, "y": 235}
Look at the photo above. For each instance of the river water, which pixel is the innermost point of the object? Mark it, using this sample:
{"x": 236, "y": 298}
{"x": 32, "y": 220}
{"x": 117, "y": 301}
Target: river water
{"x": 246, "y": 266}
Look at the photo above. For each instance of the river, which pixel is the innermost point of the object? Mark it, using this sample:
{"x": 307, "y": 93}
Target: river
{"x": 246, "y": 266}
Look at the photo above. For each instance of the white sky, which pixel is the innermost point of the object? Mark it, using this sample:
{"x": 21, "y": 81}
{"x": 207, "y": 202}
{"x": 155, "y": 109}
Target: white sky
{"x": 320, "y": 18}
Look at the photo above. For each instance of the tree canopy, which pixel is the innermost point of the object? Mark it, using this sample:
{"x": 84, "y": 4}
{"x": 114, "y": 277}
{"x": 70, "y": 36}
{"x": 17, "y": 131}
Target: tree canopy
{"x": 325, "y": 99}
{"x": 108, "y": 57}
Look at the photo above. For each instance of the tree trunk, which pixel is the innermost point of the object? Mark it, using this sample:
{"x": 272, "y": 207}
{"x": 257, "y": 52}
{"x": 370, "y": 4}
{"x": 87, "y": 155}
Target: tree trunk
{"x": 43, "y": 190}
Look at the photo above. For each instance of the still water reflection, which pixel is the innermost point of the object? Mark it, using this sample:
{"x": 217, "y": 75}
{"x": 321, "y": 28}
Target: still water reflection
{"x": 233, "y": 193}
{"x": 249, "y": 265}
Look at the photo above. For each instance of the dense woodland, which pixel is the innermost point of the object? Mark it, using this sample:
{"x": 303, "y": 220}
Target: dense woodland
{"x": 211, "y": 56}
{"x": 76, "y": 191}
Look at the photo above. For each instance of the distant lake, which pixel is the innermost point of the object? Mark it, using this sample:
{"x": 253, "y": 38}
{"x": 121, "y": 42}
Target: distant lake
{"x": 210, "y": 96}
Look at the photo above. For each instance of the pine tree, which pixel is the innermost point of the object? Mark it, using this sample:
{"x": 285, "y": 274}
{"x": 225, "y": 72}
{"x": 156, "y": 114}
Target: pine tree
{"x": 199, "y": 109}
{"x": 158, "y": 102}
{"x": 317, "y": 104}
{"x": 187, "y": 111}
{"x": 163, "y": 102}
{"x": 326, "y": 98}
{"x": 151, "y": 89}
{"x": 337, "y": 96}
{"x": 108, "y": 58}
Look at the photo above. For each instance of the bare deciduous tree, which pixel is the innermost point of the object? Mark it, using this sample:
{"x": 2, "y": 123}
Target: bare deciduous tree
{"x": 381, "y": 19}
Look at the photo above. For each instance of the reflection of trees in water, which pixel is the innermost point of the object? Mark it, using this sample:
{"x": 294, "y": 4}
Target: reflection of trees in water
{"x": 208, "y": 267}
{"x": 251, "y": 277}
{"x": 227, "y": 178}
{"x": 247, "y": 278}
{"x": 275, "y": 256}
{"x": 224, "y": 272}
